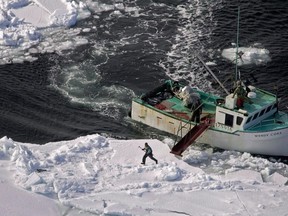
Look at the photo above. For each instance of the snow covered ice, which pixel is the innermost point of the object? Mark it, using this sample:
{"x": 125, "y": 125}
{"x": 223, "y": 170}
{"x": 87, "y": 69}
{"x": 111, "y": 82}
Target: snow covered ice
{"x": 94, "y": 175}
{"x": 26, "y": 23}
{"x": 250, "y": 55}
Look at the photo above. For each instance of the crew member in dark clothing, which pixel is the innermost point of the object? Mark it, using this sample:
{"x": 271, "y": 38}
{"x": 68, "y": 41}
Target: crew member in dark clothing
{"x": 196, "y": 110}
{"x": 148, "y": 153}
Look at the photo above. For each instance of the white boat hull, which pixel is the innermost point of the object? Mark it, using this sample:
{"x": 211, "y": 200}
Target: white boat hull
{"x": 265, "y": 143}
{"x": 158, "y": 120}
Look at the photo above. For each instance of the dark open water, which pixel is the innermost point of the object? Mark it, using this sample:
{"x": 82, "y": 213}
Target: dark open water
{"x": 89, "y": 90}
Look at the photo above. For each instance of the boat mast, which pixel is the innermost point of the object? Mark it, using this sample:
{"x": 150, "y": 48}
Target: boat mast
{"x": 237, "y": 41}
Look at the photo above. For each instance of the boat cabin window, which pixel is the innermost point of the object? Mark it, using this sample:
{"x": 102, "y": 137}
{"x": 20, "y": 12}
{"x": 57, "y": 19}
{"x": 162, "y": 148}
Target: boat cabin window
{"x": 255, "y": 116}
{"x": 262, "y": 112}
{"x": 268, "y": 108}
{"x": 229, "y": 120}
{"x": 239, "y": 120}
{"x": 249, "y": 119}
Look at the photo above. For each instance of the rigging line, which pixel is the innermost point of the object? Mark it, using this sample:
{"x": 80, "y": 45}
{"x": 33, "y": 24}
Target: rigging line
{"x": 214, "y": 76}
{"x": 211, "y": 94}
{"x": 198, "y": 54}
{"x": 220, "y": 48}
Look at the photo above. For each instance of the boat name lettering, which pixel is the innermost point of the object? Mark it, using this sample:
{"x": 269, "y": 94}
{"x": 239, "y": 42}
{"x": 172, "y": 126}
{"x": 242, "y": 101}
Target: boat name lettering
{"x": 266, "y": 135}
{"x": 223, "y": 126}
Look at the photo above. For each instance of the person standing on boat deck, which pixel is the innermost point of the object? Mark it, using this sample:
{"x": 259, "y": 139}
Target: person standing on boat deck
{"x": 240, "y": 92}
{"x": 148, "y": 153}
{"x": 192, "y": 100}
{"x": 196, "y": 109}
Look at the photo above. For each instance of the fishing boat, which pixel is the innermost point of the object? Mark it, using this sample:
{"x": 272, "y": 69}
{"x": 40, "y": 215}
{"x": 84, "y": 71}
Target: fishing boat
{"x": 245, "y": 119}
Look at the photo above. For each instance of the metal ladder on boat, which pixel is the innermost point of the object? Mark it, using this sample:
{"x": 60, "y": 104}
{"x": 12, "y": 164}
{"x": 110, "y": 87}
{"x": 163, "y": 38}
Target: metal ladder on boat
{"x": 189, "y": 138}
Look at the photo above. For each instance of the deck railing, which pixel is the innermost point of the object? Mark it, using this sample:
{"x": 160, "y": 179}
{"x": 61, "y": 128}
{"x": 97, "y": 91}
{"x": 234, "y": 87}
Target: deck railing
{"x": 180, "y": 130}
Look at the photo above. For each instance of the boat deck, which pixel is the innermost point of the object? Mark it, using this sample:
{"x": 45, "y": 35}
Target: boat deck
{"x": 209, "y": 102}
{"x": 175, "y": 106}
{"x": 166, "y": 102}
{"x": 262, "y": 99}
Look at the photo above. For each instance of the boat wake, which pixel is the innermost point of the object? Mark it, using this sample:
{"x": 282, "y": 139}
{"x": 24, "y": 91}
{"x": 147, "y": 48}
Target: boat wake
{"x": 195, "y": 28}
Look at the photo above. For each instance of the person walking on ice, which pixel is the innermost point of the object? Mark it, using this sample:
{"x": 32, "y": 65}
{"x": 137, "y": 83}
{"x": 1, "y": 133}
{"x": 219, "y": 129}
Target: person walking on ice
{"x": 148, "y": 153}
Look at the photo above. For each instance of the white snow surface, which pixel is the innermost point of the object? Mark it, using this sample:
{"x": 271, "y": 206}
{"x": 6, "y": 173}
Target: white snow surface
{"x": 95, "y": 175}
